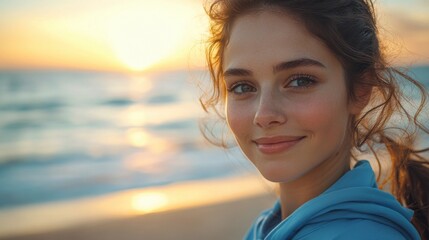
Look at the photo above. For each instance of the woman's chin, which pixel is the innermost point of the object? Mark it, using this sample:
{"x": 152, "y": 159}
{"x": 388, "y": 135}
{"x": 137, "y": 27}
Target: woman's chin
{"x": 279, "y": 175}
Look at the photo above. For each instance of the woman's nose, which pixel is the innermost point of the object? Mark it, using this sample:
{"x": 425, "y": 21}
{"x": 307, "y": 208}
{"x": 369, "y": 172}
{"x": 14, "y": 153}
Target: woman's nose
{"x": 270, "y": 112}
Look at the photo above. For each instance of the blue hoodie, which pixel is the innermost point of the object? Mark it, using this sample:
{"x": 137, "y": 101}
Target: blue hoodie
{"x": 352, "y": 208}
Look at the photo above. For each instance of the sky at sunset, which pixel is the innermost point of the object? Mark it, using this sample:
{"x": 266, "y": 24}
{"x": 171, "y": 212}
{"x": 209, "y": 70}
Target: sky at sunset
{"x": 134, "y": 35}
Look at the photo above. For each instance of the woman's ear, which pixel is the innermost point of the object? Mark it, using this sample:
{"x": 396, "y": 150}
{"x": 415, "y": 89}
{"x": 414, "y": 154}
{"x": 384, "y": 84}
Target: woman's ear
{"x": 362, "y": 95}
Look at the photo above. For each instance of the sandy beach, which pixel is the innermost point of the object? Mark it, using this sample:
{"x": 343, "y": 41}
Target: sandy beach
{"x": 228, "y": 220}
{"x": 218, "y": 209}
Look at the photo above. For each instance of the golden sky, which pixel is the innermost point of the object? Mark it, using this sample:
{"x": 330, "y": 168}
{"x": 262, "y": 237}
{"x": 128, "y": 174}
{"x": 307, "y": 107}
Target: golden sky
{"x": 148, "y": 34}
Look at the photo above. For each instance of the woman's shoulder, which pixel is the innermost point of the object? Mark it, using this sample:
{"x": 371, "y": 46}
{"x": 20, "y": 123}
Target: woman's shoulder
{"x": 350, "y": 229}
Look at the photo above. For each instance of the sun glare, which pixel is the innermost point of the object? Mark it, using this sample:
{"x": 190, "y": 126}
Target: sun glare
{"x": 144, "y": 36}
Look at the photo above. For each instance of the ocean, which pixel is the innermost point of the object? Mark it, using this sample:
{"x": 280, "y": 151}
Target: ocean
{"x": 73, "y": 134}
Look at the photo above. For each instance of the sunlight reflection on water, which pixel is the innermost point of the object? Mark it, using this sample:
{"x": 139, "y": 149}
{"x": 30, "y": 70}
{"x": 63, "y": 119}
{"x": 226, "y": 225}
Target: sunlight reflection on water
{"x": 149, "y": 202}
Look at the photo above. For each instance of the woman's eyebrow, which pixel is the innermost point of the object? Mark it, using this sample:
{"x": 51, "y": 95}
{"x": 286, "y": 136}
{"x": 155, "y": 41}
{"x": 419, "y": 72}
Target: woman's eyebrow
{"x": 302, "y": 62}
{"x": 237, "y": 72}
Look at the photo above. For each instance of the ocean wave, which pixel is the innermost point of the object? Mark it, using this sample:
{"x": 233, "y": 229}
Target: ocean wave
{"x": 118, "y": 102}
{"x": 33, "y": 106}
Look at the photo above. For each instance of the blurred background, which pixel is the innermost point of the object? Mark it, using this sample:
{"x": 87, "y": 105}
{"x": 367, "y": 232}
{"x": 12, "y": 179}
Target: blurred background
{"x": 99, "y": 120}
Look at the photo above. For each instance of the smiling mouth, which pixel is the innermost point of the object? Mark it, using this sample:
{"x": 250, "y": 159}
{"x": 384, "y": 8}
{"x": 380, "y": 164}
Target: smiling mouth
{"x": 271, "y": 145}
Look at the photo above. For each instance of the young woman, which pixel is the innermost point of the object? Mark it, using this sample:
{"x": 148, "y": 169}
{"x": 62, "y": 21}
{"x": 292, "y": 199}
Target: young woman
{"x": 305, "y": 87}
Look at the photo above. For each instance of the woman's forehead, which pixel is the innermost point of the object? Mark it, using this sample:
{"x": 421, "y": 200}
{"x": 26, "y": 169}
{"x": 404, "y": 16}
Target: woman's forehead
{"x": 272, "y": 37}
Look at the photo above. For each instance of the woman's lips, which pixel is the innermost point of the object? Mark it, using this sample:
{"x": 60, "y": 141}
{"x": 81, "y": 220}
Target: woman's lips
{"x": 271, "y": 145}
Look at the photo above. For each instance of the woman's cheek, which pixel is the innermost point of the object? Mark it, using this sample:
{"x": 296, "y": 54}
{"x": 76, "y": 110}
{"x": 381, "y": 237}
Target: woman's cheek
{"x": 319, "y": 113}
{"x": 238, "y": 118}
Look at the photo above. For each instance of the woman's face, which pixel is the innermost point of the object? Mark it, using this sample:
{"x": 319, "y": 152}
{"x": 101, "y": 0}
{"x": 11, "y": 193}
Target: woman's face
{"x": 286, "y": 102}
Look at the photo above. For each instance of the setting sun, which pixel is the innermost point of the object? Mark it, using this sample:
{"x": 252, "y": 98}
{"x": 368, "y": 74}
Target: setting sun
{"x": 131, "y": 35}
{"x": 140, "y": 39}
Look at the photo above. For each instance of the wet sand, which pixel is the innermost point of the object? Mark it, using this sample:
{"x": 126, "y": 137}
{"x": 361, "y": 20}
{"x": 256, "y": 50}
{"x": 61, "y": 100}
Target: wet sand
{"x": 225, "y": 221}
{"x": 219, "y": 209}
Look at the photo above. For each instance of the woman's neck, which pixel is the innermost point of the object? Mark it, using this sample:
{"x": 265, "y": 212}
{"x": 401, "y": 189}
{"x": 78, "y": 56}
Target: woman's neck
{"x": 295, "y": 193}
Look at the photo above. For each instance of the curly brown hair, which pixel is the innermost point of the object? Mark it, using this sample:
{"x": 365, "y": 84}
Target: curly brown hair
{"x": 348, "y": 28}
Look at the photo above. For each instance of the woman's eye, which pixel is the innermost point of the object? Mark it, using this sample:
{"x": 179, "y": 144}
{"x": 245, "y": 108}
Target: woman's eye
{"x": 242, "y": 88}
{"x": 301, "y": 82}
